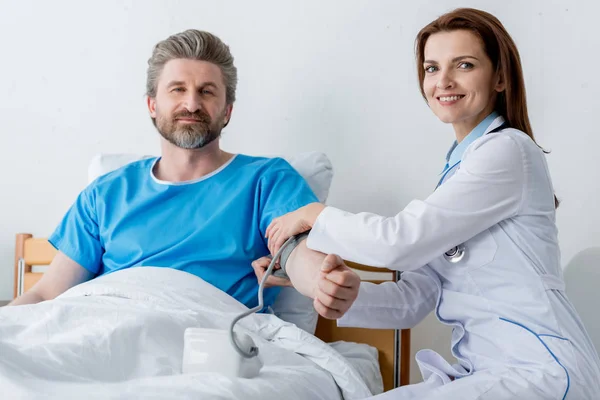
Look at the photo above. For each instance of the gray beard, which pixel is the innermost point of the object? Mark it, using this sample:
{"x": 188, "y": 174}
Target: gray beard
{"x": 190, "y": 137}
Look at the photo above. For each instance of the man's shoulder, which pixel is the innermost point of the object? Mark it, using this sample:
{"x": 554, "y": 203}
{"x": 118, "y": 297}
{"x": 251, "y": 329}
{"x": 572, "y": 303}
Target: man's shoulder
{"x": 132, "y": 171}
{"x": 260, "y": 161}
{"x": 265, "y": 164}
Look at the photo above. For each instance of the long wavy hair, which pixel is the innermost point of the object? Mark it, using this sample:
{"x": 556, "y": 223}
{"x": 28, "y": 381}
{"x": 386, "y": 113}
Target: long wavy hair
{"x": 502, "y": 52}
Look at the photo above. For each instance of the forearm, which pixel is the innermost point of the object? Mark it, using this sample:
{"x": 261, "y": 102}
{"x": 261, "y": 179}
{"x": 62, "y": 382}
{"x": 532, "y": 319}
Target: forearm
{"x": 324, "y": 278}
{"x": 487, "y": 189}
{"x": 30, "y": 297}
{"x": 303, "y": 268}
{"x": 394, "y": 305}
{"x": 62, "y": 274}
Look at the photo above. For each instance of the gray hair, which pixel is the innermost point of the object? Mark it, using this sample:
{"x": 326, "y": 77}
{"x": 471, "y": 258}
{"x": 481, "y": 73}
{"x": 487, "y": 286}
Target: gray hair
{"x": 193, "y": 45}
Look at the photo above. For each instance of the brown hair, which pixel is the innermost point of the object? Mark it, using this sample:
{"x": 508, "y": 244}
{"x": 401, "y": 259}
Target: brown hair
{"x": 502, "y": 52}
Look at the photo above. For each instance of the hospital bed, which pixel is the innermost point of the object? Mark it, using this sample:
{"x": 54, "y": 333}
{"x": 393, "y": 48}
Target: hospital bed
{"x": 357, "y": 360}
{"x": 393, "y": 347}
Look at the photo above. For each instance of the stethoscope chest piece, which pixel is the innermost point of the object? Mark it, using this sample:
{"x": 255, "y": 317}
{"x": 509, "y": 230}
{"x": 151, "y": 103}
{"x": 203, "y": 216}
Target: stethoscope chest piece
{"x": 455, "y": 254}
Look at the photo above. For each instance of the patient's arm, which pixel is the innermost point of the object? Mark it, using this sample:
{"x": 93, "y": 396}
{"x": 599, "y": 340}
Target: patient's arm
{"x": 63, "y": 273}
{"x": 326, "y": 279}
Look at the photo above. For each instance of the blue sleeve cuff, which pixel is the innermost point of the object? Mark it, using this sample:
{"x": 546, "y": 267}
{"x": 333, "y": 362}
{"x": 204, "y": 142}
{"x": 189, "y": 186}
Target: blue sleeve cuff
{"x": 70, "y": 251}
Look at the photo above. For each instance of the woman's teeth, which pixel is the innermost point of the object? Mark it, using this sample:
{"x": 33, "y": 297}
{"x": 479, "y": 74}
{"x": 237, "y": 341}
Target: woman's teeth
{"x": 451, "y": 98}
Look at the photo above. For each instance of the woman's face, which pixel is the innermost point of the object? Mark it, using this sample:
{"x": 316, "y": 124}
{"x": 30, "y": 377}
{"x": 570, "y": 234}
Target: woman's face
{"x": 460, "y": 82}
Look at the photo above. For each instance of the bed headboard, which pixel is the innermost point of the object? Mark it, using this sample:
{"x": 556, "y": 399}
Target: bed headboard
{"x": 393, "y": 345}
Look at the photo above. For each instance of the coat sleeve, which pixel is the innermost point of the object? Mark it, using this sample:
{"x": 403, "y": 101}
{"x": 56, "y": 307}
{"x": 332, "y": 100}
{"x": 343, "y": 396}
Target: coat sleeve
{"x": 394, "y": 305}
{"x": 487, "y": 189}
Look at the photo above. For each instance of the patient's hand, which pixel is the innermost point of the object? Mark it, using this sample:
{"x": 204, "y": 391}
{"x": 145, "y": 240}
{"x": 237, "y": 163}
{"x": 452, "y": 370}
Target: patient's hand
{"x": 336, "y": 288}
{"x": 260, "y": 268}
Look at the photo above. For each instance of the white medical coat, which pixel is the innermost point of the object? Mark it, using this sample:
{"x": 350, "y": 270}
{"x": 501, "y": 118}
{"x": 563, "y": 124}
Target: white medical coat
{"x": 515, "y": 333}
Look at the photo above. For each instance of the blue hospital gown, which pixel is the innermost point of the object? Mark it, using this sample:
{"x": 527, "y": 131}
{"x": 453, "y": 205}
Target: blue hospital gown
{"x": 213, "y": 227}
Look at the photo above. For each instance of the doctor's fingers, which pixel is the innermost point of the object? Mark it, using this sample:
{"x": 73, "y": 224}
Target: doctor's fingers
{"x": 343, "y": 276}
{"x": 279, "y": 238}
{"x": 274, "y": 223}
{"x": 332, "y": 262}
{"x": 272, "y": 239}
{"x": 334, "y": 290}
{"x": 332, "y": 302}
{"x": 326, "y": 312}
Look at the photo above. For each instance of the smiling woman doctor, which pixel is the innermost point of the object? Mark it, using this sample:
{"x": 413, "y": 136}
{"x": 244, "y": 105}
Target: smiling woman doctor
{"x": 481, "y": 250}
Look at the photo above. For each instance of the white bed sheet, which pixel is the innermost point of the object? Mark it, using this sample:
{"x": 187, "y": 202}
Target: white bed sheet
{"x": 120, "y": 336}
{"x": 365, "y": 359}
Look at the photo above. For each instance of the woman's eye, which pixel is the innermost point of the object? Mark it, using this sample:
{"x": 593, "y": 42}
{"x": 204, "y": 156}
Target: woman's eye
{"x": 430, "y": 69}
{"x": 465, "y": 65}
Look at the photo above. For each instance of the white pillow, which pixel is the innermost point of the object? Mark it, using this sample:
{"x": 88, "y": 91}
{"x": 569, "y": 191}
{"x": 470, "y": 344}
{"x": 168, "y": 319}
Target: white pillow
{"x": 314, "y": 167}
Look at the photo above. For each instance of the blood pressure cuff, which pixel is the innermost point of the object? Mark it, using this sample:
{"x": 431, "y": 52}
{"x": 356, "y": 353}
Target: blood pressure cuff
{"x": 285, "y": 254}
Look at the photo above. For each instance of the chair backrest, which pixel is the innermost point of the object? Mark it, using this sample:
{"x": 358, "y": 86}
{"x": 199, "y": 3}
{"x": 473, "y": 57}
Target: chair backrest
{"x": 393, "y": 346}
{"x": 30, "y": 251}
{"x": 582, "y": 279}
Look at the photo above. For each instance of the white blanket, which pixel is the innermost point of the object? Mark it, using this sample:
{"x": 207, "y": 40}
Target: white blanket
{"x": 120, "y": 336}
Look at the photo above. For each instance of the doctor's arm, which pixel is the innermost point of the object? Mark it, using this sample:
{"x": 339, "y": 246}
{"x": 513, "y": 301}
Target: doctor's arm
{"x": 487, "y": 189}
{"x": 338, "y": 292}
{"x": 394, "y": 305}
{"x": 327, "y": 280}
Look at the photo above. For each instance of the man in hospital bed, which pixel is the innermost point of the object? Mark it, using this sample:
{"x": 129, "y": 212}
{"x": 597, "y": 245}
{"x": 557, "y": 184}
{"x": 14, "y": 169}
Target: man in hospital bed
{"x": 120, "y": 305}
{"x": 196, "y": 208}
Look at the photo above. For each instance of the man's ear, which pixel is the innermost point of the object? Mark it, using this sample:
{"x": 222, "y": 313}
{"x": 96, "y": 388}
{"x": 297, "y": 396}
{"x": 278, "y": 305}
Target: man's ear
{"x": 151, "y": 106}
{"x": 228, "y": 112}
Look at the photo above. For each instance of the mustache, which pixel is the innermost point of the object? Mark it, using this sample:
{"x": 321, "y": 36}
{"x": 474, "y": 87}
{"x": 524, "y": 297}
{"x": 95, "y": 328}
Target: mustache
{"x": 199, "y": 115}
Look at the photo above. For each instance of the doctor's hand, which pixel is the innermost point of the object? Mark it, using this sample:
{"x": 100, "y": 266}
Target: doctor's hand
{"x": 290, "y": 224}
{"x": 336, "y": 288}
{"x": 260, "y": 267}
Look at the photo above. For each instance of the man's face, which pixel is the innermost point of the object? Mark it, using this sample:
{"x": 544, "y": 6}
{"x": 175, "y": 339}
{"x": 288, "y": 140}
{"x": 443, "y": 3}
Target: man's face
{"x": 190, "y": 108}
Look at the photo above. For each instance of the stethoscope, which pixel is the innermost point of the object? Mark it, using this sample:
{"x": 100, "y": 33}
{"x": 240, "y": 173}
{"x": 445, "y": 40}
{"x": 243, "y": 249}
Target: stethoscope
{"x": 457, "y": 253}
